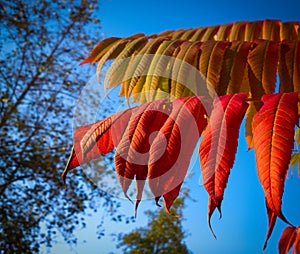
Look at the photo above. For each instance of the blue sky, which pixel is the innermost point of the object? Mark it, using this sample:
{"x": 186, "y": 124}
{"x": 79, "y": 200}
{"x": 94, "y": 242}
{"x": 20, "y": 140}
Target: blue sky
{"x": 243, "y": 226}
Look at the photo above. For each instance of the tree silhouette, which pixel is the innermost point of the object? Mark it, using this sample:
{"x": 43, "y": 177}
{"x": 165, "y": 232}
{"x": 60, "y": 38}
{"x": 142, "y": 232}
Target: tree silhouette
{"x": 41, "y": 46}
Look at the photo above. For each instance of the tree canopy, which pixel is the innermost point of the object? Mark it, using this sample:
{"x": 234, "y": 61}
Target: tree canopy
{"x": 162, "y": 234}
{"x": 42, "y": 44}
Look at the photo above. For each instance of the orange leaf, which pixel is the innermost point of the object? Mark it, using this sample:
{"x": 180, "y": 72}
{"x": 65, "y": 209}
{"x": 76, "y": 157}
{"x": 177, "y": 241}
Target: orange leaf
{"x": 271, "y": 30}
{"x": 218, "y": 147}
{"x": 211, "y": 59}
{"x": 273, "y": 137}
{"x": 289, "y": 66}
{"x": 233, "y": 69}
{"x": 100, "y": 49}
{"x": 262, "y": 67}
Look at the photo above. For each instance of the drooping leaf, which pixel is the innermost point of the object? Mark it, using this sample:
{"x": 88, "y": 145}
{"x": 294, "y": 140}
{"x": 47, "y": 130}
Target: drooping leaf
{"x": 271, "y": 30}
{"x": 139, "y": 69}
{"x": 233, "y": 69}
{"x": 113, "y": 52}
{"x": 250, "y": 113}
{"x": 237, "y": 31}
{"x": 100, "y": 49}
{"x": 289, "y": 30}
{"x": 93, "y": 140}
{"x": 171, "y": 150}
{"x": 262, "y": 68}
{"x": 158, "y": 70}
{"x": 116, "y": 72}
{"x": 253, "y": 30}
{"x": 290, "y": 237}
{"x": 218, "y": 147}
{"x": 131, "y": 158}
{"x": 275, "y": 30}
{"x": 210, "y": 63}
{"x": 289, "y": 66}
{"x": 273, "y": 137}
{"x": 272, "y": 218}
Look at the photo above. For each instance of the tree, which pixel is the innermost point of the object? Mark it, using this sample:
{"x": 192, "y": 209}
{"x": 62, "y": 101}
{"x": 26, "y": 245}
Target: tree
{"x": 193, "y": 81}
{"x": 41, "y": 46}
{"x": 163, "y": 233}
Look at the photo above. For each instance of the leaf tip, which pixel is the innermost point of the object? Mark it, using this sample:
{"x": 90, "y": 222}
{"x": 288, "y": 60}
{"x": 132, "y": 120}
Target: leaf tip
{"x": 126, "y": 196}
{"x": 211, "y": 208}
{"x": 137, "y": 202}
{"x": 156, "y": 201}
{"x": 85, "y": 61}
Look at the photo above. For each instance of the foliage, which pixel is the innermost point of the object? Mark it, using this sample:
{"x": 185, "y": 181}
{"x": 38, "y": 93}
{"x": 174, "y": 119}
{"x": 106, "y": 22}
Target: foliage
{"x": 163, "y": 234}
{"x": 39, "y": 86}
{"x": 290, "y": 238}
{"x": 219, "y": 74}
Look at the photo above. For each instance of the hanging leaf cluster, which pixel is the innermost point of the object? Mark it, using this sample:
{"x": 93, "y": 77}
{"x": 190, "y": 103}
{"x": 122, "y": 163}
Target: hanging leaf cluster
{"x": 199, "y": 82}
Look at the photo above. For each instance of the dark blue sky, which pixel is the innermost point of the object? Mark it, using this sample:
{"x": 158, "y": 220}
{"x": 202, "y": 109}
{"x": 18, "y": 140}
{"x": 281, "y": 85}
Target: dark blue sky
{"x": 244, "y": 224}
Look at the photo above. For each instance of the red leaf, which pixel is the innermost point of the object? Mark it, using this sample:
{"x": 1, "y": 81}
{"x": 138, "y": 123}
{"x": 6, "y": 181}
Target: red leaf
{"x": 287, "y": 239}
{"x": 93, "y": 140}
{"x": 273, "y": 137}
{"x": 131, "y": 158}
{"x": 133, "y": 131}
{"x": 218, "y": 147}
{"x": 171, "y": 151}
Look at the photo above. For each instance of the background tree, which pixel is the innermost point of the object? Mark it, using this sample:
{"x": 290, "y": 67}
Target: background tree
{"x": 41, "y": 45}
{"x": 163, "y": 233}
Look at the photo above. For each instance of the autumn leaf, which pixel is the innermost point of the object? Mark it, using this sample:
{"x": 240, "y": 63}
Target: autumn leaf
{"x": 290, "y": 238}
{"x": 273, "y": 137}
{"x": 131, "y": 158}
{"x": 93, "y": 140}
{"x": 171, "y": 151}
{"x": 218, "y": 147}
{"x": 139, "y": 134}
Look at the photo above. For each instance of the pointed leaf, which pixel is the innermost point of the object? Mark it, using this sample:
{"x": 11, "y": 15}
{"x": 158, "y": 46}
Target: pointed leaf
{"x": 116, "y": 72}
{"x": 250, "y": 113}
{"x": 233, "y": 69}
{"x": 272, "y": 217}
{"x": 262, "y": 68}
{"x": 210, "y": 64}
{"x": 113, "y": 52}
{"x": 131, "y": 158}
{"x": 100, "y": 49}
{"x": 289, "y": 66}
{"x": 90, "y": 141}
{"x": 287, "y": 239}
{"x": 273, "y": 136}
{"x": 218, "y": 147}
{"x": 171, "y": 150}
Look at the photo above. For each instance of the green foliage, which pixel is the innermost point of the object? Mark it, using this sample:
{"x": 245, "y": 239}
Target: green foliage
{"x": 39, "y": 86}
{"x": 163, "y": 234}
{"x": 295, "y": 160}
